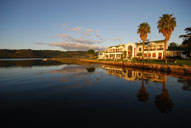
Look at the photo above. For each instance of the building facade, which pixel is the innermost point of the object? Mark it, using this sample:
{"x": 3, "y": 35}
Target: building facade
{"x": 152, "y": 50}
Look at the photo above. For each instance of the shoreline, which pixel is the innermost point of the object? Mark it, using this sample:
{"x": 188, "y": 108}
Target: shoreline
{"x": 180, "y": 69}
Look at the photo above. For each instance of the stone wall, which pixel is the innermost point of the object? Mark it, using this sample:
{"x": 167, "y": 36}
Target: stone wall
{"x": 180, "y": 69}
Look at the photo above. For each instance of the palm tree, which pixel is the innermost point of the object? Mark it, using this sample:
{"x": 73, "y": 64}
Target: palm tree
{"x": 166, "y": 25}
{"x": 143, "y": 30}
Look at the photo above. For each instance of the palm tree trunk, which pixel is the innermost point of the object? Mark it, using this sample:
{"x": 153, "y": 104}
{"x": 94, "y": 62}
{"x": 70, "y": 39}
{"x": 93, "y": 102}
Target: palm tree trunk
{"x": 164, "y": 53}
{"x": 143, "y": 50}
{"x": 164, "y": 82}
{"x": 143, "y": 86}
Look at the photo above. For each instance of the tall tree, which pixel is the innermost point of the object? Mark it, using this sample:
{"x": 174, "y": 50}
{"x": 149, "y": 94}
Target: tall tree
{"x": 143, "y": 30}
{"x": 166, "y": 25}
{"x": 91, "y": 52}
{"x": 173, "y": 46}
{"x": 186, "y": 44}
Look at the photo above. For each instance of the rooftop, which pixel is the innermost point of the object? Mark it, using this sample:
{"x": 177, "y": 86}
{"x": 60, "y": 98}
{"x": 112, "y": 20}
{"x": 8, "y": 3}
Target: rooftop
{"x": 156, "y": 41}
{"x": 117, "y": 45}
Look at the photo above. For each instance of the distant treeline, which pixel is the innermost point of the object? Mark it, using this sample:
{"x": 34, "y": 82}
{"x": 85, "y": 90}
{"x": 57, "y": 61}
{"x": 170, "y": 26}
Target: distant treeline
{"x": 28, "y": 53}
{"x": 29, "y": 63}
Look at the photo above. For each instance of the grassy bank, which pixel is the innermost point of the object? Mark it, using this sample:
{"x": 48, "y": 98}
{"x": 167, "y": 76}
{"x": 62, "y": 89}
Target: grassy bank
{"x": 169, "y": 62}
{"x": 181, "y": 66}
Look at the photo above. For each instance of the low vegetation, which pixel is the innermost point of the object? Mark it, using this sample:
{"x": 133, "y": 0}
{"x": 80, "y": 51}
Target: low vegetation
{"x": 28, "y": 53}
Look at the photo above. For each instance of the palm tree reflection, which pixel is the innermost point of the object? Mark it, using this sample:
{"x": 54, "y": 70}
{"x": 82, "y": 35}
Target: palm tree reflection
{"x": 90, "y": 69}
{"x": 163, "y": 101}
{"x": 186, "y": 84}
{"x": 142, "y": 95}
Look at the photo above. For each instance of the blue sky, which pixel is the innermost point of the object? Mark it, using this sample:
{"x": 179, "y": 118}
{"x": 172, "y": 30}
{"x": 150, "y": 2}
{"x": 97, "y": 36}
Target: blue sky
{"x": 84, "y": 24}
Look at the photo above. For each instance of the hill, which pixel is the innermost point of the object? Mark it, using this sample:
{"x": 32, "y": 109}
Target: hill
{"x": 28, "y": 53}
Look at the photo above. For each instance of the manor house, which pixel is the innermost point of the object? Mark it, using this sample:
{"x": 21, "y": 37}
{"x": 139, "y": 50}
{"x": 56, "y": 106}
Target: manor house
{"x": 152, "y": 50}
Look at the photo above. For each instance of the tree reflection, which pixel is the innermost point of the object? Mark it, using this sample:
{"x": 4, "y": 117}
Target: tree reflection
{"x": 142, "y": 95}
{"x": 90, "y": 69}
{"x": 163, "y": 101}
{"x": 186, "y": 84}
{"x": 28, "y": 63}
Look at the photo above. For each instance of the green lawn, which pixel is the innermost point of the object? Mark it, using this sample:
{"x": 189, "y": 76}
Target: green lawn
{"x": 178, "y": 62}
{"x": 184, "y": 61}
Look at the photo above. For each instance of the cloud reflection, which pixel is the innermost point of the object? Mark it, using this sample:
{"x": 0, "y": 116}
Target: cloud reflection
{"x": 78, "y": 76}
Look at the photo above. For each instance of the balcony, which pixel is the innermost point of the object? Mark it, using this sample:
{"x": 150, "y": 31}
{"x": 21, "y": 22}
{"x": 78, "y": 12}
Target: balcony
{"x": 153, "y": 49}
{"x": 159, "y": 48}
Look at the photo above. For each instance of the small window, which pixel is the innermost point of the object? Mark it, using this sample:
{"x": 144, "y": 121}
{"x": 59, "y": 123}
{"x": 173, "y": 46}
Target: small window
{"x": 139, "y": 49}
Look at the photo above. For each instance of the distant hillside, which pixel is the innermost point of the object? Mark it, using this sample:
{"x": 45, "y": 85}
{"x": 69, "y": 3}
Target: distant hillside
{"x": 28, "y": 53}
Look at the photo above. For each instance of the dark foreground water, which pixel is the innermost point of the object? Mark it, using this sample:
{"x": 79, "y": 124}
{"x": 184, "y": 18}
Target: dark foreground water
{"x": 37, "y": 93}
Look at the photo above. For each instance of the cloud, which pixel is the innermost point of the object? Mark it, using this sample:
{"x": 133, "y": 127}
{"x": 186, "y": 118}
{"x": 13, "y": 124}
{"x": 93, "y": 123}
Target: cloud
{"x": 63, "y": 35}
{"x": 99, "y": 37}
{"x": 65, "y": 26}
{"x": 116, "y": 39}
{"x": 86, "y": 39}
{"x": 89, "y": 30}
{"x": 75, "y": 46}
{"x": 82, "y": 39}
{"x": 76, "y": 29}
{"x": 86, "y": 34}
{"x": 40, "y": 43}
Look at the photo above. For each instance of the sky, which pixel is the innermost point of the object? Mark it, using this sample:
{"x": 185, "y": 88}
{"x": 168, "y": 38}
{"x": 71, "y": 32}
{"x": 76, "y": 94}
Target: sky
{"x": 85, "y": 24}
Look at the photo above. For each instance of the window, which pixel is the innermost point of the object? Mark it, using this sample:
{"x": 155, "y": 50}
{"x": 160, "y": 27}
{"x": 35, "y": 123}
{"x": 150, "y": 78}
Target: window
{"x": 149, "y": 54}
{"x": 139, "y": 49}
{"x": 145, "y": 55}
{"x": 159, "y": 55}
{"x": 154, "y": 55}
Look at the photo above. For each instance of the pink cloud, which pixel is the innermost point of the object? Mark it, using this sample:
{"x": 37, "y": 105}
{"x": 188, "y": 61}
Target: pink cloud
{"x": 75, "y": 46}
{"x": 76, "y": 29}
{"x": 63, "y": 35}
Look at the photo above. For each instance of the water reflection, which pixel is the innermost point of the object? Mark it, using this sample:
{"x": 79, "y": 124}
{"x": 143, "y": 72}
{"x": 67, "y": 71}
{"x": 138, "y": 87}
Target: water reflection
{"x": 28, "y": 63}
{"x": 75, "y": 76}
{"x": 94, "y": 93}
{"x": 142, "y": 95}
{"x": 90, "y": 69}
{"x": 186, "y": 84}
{"x": 162, "y": 101}
{"x": 131, "y": 74}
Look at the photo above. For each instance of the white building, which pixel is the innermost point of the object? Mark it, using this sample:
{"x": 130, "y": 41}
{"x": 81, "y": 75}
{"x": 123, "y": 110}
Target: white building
{"x": 152, "y": 50}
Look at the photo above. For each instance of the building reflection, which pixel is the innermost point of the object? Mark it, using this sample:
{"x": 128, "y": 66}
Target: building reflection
{"x": 162, "y": 101}
{"x": 134, "y": 75}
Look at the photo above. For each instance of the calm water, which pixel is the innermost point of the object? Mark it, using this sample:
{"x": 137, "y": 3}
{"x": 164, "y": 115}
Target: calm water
{"x": 50, "y": 93}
